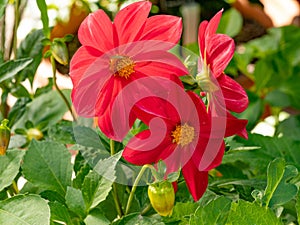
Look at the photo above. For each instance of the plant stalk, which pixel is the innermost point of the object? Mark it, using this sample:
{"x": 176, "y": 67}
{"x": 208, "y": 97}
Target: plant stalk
{"x": 58, "y": 89}
{"x": 134, "y": 186}
{"x": 114, "y": 185}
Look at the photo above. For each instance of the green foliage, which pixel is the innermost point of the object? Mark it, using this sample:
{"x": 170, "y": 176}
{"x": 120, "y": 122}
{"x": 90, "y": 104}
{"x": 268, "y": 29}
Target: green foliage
{"x": 248, "y": 213}
{"x": 231, "y": 22}
{"x": 44, "y": 17}
{"x": 31, "y": 47}
{"x": 24, "y": 209}
{"x": 76, "y": 175}
{"x": 9, "y": 167}
{"x": 215, "y": 212}
{"x": 44, "y": 111}
{"x": 10, "y": 68}
{"x": 95, "y": 189}
{"x": 278, "y": 190}
{"x": 268, "y": 149}
{"x": 2, "y": 7}
{"x": 52, "y": 165}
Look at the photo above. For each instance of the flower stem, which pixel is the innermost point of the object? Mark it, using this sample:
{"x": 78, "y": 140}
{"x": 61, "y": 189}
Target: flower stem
{"x": 17, "y": 18}
{"x": 58, "y": 90}
{"x": 136, "y": 182}
{"x": 114, "y": 185}
{"x": 146, "y": 209}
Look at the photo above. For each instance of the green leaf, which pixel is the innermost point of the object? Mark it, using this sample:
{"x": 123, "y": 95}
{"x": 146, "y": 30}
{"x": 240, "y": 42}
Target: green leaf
{"x": 184, "y": 210}
{"x": 52, "y": 196}
{"x": 17, "y": 110}
{"x": 137, "y": 219}
{"x": 262, "y": 73}
{"x": 59, "y": 213}
{"x": 44, "y": 16}
{"x": 107, "y": 166}
{"x": 2, "y": 7}
{"x": 24, "y": 209}
{"x": 248, "y": 213}
{"x": 270, "y": 148}
{"x": 291, "y": 88}
{"x": 278, "y": 99}
{"x": 9, "y": 166}
{"x": 48, "y": 165}
{"x": 215, "y": 212}
{"x": 288, "y": 125}
{"x": 285, "y": 191}
{"x": 75, "y": 202}
{"x": 44, "y": 111}
{"x": 274, "y": 175}
{"x": 31, "y": 47}
{"x": 10, "y": 68}
{"x": 86, "y": 136}
{"x": 62, "y": 132}
{"x": 95, "y": 189}
{"x": 231, "y": 22}
{"x": 96, "y": 217}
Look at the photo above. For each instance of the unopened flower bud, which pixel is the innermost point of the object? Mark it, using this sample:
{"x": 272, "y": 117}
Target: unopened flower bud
{"x": 4, "y": 136}
{"x": 162, "y": 197}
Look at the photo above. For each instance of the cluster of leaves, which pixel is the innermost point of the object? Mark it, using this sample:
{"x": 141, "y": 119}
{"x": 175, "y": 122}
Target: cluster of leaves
{"x": 257, "y": 183}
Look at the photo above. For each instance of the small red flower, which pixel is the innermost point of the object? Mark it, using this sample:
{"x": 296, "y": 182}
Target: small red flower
{"x": 113, "y": 54}
{"x": 216, "y": 51}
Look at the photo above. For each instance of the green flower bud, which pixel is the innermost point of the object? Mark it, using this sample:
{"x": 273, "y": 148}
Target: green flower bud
{"x": 4, "y": 136}
{"x": 162, "y": 197}
{"x": 34, "y": 133}
{"x": 59, "y": 51}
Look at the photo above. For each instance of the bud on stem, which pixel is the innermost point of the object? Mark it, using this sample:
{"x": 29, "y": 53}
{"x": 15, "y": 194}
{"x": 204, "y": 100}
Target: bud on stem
{"x": 162, "y": 197}
{"x": 4, "y": 136}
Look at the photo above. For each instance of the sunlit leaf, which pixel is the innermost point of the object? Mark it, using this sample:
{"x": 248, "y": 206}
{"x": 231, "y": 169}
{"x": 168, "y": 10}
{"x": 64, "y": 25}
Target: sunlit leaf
{"x": 24, "y": 209}
{"x": 48, "y": 165}
{"x": 9, "y": 166}
{"x": 248, "y": 213}
{"x": 95, "y": 189}
{"x": 215, "y": 212}
{"x": 10, "y": 68}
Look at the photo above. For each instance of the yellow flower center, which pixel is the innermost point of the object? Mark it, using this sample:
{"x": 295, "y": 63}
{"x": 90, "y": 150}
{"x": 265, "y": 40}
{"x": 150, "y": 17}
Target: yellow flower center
{"x": 183, "y": 134}
{"x": 122, "y": 66}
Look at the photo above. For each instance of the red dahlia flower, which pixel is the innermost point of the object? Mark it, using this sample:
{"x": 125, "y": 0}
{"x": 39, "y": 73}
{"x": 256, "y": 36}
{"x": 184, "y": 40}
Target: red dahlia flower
{"x": 180, "y": 136}
{"x": 216, "y": 51}
{"x": 113, "y": 54}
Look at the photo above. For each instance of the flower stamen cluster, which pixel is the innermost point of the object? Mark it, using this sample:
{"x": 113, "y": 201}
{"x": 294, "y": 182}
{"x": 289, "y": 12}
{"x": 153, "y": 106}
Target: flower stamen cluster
{"x": 183, "y": 135}
{"x": 122, "y": 66}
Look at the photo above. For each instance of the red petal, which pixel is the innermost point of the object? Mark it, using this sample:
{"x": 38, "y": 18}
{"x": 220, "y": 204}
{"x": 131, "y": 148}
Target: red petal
{"x": 236, "y": 126}
{"x": 196, "y": 180}
{"x": 114, "y": 104}
{"x": 201, "y": 37}
{"x": 213, "y": 24}
{"x": 164, "y": 28}
{"x": 151, "y": 107}
{"x": 161, "y": 62}
{"x": 83, "y": 58}
{"x": 97, "y": 31}
{"x": 235, "y": 97}
{"x": 210, "y": 155}
{"x": 219, "y": 52}
{"x": 147, "y": 148}
{"x": 129, "y": 22}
